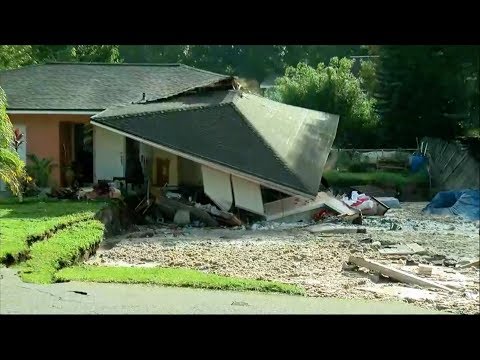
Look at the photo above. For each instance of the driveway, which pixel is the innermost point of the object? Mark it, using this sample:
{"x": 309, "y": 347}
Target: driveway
{"x": 17, "y": 297}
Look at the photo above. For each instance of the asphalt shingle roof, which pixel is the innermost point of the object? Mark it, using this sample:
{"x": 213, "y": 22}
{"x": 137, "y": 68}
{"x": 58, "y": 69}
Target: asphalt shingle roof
{"x": 284, "y": 144}
{"x": 97, "y": 86}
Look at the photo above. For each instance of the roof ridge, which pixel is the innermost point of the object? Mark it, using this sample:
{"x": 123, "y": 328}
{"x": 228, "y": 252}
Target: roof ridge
{"x": 144, "y": 113}
{"x": 106, "y": 63}
{"x": 203, "y": 85}
{"x": 267, "y": 145}
{"x": 205, "y": 71}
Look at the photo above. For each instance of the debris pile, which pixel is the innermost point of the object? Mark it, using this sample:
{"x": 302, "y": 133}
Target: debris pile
{"x": 367, "y": 205}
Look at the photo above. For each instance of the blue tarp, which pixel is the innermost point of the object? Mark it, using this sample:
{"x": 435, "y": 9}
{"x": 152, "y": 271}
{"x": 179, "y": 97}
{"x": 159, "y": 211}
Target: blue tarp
{"x": 464, "y": 203}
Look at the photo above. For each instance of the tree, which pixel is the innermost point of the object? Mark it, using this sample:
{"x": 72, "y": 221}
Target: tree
{"x": 333, "y": 89}
{"x": 86, "y": 53}
{"x": 12, "y": 168}
{"x": 368, "y": 76}
{"x": 246, "y": 61}
{"x": 14, "y": 56}
{"x": 427, "y": 91}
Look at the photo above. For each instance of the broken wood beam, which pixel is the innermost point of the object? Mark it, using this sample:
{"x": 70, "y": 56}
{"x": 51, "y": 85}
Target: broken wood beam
{"x": 396, "y": 274}
{"x": 325, "y": 229}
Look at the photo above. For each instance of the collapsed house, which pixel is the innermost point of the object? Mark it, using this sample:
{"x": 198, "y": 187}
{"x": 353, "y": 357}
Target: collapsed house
{"x": 172, "y": 128}
{"x": 244, "y": 151}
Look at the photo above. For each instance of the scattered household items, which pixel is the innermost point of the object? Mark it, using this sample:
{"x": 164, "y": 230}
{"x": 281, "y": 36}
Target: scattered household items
{"x": 375, "y": 191}
{"x": 333, "y": 229}
{"x": 419, "y": 158}
{"x": 101, "y": 190}
{"x": 367, "y": 205}
{"x": 463, "y": 203}
{"x": 64, "y": 193}
{"x": 402, "y": 249}
{"x": 358, "y": 201}
{"x": 395, "y": 274}
{"x": 297, "y": 208}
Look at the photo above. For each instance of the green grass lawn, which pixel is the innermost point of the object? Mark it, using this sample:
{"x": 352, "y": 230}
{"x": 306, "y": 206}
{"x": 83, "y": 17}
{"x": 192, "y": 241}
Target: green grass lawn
{"x": 62, "y": 249}
{"x": 379, "y": 178}
{"x": 67, "y": 229}
{"x": 21, "y": 222}
{"x": 170, "y": 277}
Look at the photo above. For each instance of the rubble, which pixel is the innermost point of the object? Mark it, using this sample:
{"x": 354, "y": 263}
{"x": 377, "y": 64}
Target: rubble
{"x": 332, "y": 229}
{"x": 287, "y": 252}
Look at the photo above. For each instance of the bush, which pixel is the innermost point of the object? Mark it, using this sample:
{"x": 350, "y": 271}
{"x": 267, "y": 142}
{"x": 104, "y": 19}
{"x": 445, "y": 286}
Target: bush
{"x": 358, "y": 167}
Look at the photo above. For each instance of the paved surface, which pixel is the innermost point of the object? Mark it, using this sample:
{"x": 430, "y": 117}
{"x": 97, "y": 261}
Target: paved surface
{"x": 17, "y": 297}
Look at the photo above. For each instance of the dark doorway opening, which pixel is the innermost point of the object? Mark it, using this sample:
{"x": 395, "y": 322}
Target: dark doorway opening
{"x": 83, "y": 149}
{"x": 133, "y": 167}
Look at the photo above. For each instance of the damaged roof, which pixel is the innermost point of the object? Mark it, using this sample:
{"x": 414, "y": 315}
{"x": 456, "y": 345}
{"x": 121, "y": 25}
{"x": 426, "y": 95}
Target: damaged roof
{"x": 97, "y": 86}
{"x": 279, "y": 143}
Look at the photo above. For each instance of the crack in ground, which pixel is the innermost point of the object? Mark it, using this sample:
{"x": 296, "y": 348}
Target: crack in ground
{"x": 49, "y": 293}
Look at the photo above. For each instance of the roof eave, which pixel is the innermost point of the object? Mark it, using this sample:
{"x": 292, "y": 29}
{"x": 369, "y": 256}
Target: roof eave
{"x": 270, "y": 183}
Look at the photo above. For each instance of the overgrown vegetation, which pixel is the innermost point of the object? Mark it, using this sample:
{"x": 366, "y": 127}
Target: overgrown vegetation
{"x": 40, "y": 169}
{"x": 62, "y": 249}
{"x": 21, "y": 223}
{"x": 170, "y": 277}
{"x": 379, "y": 178}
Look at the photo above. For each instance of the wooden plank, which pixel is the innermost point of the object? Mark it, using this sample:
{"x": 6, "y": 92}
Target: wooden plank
{"x": 335, "y": 204}
{"x": 396, "y": 274}
{"x": 401, "y": 249}
{"x": 417, "y": 249}
{"x": 326, "y": 229}
{"x": 474, "y": 263}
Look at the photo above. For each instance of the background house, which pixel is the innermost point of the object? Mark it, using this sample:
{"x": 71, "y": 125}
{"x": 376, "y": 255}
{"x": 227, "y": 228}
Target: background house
{"x": 52, "y": 103}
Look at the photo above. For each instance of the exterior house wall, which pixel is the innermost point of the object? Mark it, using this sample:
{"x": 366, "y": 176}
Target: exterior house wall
{"x": 43, "y": 135}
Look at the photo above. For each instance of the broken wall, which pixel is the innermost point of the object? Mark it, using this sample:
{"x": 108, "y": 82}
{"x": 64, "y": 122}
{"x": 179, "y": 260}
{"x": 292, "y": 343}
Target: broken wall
{"x": 225, "y": 190}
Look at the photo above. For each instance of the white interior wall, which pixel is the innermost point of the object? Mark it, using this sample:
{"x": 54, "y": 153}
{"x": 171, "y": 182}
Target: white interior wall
{"x": 109, "y": 155}
{"x": 248, "y": 195}
{"x": 217, "y": 185}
